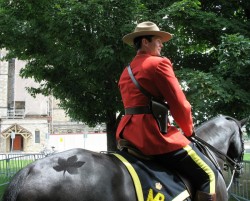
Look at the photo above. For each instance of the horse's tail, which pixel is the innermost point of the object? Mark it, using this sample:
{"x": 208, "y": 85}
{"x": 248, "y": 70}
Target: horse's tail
{"x": 15, "y": 185}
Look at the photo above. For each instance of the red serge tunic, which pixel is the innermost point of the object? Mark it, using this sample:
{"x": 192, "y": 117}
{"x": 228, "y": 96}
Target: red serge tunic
{"x": 156, "y": 75}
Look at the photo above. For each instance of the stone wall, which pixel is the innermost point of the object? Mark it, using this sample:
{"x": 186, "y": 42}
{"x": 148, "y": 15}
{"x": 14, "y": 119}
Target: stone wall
{"x": 3, "y": 84}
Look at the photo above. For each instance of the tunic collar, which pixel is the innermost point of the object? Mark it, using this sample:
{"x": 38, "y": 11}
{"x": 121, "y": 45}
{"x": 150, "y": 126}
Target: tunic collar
{"x": 144, "y": 53}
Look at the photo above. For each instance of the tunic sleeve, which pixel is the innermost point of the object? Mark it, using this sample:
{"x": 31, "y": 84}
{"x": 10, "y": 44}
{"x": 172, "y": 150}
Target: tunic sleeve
{"x": 170, "y": 88}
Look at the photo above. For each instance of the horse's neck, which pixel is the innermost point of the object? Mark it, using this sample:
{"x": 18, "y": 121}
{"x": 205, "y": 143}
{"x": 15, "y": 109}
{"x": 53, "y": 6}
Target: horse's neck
{"x": 218, "y": 141}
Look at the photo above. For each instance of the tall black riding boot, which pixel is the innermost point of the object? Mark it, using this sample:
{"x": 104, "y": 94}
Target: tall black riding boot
{"x": 203, "y": 196}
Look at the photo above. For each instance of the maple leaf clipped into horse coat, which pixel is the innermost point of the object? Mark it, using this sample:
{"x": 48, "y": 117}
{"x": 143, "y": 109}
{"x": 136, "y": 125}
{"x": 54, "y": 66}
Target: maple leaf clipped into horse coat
{"x": 70, "y": 165}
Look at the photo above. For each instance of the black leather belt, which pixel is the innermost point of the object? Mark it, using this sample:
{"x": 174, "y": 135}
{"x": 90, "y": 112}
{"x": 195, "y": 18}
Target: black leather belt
{"x": 138, "y": 110}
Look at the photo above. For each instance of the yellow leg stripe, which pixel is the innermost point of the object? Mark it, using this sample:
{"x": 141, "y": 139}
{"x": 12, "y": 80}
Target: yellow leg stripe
{"x": 203, "y": 165}
{"x": 134, "y": 175}
{"x": 182, "y": 196}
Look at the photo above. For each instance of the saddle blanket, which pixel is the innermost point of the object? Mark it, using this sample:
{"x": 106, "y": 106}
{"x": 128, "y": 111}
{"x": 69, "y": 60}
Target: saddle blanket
{"x": 152, "y": 181}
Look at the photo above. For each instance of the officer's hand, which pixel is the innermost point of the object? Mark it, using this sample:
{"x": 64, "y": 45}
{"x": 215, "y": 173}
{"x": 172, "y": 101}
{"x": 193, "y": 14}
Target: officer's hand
{"x": 193, "y": 134}
{"x": 191, "y": 137}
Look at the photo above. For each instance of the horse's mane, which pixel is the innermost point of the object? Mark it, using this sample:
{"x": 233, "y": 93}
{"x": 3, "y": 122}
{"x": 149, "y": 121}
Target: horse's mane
{"x": 235, "y": 120}
{"x": 212, "y": 120}
{"x": 207, "y": 126}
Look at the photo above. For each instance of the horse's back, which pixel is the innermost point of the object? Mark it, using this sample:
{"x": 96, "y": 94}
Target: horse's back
{"x": 73, "y": 175}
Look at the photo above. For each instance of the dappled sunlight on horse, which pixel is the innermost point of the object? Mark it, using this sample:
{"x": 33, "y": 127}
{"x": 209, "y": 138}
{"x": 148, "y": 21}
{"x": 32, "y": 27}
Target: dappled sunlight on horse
{"x": 82, "y": 175}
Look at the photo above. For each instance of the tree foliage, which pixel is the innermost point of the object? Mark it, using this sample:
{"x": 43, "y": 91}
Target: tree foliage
{"x": 74, "y": 50}
{"x": 210, "y": 51}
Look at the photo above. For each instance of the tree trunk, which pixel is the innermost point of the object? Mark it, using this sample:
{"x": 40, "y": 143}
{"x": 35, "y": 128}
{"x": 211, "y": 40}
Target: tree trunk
{"x": 111, "y": 130}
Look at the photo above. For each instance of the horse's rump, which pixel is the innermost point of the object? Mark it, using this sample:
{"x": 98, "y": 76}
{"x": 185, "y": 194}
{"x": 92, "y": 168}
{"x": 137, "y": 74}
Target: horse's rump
{"x": 75, "y": 175}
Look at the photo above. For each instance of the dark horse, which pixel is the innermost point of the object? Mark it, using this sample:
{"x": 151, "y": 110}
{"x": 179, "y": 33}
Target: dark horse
{"x": 81, "y": 175}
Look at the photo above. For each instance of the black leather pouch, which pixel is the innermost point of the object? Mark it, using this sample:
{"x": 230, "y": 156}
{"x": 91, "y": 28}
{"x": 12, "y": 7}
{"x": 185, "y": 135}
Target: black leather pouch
{"x": 160, "y": 111}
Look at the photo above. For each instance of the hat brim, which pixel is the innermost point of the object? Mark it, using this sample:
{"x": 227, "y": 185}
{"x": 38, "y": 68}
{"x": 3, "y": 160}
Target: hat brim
{"x": 129, "y": 38}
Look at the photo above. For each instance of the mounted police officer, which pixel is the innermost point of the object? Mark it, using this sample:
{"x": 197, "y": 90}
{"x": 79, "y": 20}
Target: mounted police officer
{"x": 140, "y": 127}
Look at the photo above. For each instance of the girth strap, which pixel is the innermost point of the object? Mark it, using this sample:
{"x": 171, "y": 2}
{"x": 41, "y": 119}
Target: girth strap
{"x": 138, "y": 110}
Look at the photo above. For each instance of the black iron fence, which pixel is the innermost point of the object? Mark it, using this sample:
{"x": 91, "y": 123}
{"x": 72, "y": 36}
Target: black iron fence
{"x": 240, "y": 189}
{"x": 10, "y": 164}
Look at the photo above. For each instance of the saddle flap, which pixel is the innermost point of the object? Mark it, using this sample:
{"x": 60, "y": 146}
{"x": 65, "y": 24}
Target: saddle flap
{"x": 155, "y": 180}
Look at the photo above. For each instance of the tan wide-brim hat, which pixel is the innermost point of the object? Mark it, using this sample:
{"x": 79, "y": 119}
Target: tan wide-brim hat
{"x": 144, "y": 29}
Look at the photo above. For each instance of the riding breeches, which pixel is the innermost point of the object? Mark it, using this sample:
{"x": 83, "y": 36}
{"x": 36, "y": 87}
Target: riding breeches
{"x": 190, "y": 162}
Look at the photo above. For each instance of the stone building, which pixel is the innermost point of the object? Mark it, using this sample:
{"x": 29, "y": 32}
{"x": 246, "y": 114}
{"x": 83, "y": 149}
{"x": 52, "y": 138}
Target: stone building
{"x": 27, "y": 122}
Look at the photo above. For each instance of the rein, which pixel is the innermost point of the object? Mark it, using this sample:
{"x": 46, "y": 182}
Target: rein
{"x": 237, "y": 165}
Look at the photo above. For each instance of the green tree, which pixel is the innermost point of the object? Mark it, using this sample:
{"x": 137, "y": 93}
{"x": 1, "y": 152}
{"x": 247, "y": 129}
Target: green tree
{"x": 210, "y": 51}
{"x": 74, "y": 50}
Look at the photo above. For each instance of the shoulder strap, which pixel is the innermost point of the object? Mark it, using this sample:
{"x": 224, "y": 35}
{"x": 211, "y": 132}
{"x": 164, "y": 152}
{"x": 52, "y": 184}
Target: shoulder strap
{"x": 144, "y": 91}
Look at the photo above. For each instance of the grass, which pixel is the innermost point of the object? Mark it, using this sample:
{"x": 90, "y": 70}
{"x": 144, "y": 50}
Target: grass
{"x": 246, "y": 157}
{"x": 3, "y": 180}
{"x": 2, "y": 191}
{"x": 8, "y": 169}
{"x": 3, "y": 184}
